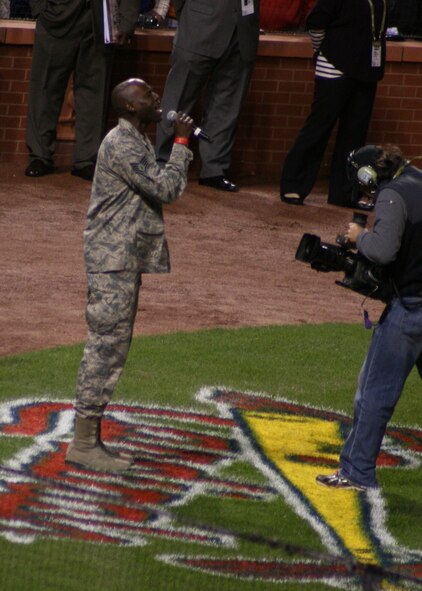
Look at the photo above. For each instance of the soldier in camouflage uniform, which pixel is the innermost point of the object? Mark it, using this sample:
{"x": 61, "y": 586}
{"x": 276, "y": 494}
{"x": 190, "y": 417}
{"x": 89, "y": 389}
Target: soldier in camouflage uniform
{"x": 123, "y": 239}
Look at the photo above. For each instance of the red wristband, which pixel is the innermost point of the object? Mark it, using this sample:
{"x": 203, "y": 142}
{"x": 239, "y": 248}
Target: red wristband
{"x": 181, "y": 140}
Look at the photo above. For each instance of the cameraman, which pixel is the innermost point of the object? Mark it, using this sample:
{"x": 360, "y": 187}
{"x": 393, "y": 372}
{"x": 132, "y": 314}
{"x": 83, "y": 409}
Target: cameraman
{"x": 396, "y": 346}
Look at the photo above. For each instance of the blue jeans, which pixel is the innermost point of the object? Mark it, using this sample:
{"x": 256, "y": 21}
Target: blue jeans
{"x": 395, "y": 348}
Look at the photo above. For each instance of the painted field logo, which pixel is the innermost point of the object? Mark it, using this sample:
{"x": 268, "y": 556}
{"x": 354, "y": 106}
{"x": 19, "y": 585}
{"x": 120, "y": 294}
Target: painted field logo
{"x": 185, "y": 455}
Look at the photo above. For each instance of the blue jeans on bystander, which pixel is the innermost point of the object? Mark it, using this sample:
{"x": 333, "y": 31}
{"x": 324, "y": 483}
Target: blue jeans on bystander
{"x": 395, "y": 348}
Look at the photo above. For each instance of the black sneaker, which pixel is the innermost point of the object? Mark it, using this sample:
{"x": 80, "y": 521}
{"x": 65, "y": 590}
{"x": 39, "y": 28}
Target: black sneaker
{"x": 336, "y": 480}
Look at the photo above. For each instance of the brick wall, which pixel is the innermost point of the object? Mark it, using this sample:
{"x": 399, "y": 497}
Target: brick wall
{"x": 15, "y": 65}
{"x": 275, "y": 109}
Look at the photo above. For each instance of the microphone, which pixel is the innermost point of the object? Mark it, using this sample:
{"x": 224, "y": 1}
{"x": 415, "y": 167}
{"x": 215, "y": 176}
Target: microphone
{"x": 197, "y": 131}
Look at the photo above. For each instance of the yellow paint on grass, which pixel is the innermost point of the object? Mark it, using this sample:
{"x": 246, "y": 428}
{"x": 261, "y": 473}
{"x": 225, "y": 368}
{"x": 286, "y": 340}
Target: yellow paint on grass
{"x": 285, "y": 440}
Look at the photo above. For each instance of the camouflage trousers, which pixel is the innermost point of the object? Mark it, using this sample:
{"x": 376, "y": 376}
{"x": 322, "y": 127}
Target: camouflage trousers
{"x": 110, "y": 315}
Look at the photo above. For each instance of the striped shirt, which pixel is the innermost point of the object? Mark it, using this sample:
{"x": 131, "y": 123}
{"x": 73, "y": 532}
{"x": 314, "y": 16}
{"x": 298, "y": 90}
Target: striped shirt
{"x": 162, "y": 7}
{"x": 323, "y": 68}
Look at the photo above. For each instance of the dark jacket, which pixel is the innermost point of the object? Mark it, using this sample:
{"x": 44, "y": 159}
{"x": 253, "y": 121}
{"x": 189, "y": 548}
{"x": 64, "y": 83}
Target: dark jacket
{"x": 348, "y": 35}
{"x": 407, "y": 268}
{"x": 206, "y": 27}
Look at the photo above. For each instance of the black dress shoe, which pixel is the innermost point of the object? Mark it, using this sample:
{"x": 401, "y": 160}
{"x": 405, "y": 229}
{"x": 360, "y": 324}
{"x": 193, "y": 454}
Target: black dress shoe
{"x": 37, "y": 168}
{"x": 220, "y": 183}
{"x": 86, "y": 172}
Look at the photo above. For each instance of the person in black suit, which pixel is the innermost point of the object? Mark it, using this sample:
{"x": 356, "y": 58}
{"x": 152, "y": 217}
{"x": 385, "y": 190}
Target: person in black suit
{"x": 70, "y": 37}
{"x": 349, "y": 45}
{"x": 214, "y": 47}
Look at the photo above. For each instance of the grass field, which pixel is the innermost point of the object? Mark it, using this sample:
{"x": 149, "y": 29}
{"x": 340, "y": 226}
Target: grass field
{"x": 214, "y": 461}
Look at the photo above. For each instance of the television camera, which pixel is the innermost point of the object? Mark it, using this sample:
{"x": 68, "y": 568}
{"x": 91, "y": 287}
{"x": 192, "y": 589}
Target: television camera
{"x": 360, "y": 274}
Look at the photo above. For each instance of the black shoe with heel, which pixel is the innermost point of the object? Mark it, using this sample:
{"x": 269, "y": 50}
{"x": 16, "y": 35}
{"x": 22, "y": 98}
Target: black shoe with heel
{"x": 292, "y": 198}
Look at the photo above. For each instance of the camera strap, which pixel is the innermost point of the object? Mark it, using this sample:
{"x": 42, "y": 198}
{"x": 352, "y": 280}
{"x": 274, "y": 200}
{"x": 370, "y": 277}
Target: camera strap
{"x": 367, "y": 322}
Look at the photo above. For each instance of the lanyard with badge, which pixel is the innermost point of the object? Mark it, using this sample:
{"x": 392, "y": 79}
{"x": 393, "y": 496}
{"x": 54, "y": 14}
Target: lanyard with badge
{"x": 247, "y": 7}
{"x": 376, "y": 39}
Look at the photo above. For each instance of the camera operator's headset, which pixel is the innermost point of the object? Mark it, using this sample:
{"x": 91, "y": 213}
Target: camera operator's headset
{"x": 366, "y": 175}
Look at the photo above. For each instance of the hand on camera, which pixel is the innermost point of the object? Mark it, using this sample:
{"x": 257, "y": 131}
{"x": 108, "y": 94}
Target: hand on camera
{"x": 158, "y": 16}
{"x": 354, "y": 231}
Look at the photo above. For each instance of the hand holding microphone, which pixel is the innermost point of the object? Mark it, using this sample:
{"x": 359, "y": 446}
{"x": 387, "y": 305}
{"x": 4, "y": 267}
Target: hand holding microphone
{"x": 183, "y": 125}
{"x": 173, "y": 118}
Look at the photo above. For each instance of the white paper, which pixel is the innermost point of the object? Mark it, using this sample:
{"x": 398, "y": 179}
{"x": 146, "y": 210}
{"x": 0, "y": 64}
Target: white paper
{"x": 107, "y": 22}
{"x": 248, "y": 7}
{"x": 376, "y": 55}
{"x": 111, "y": 17}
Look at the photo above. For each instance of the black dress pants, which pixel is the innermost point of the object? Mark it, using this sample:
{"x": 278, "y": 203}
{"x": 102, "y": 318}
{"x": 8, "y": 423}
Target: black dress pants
{"x": 53, "y": 61}
{"x": 226, "y": 81}
{"x": 347, "y": 102}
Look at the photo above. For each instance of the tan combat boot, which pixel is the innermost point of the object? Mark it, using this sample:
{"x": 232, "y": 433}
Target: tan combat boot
{"x": 87, "y": 450}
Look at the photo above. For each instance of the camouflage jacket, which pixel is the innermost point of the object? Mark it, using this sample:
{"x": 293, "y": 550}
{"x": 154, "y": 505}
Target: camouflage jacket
{"x": 125, "y": 230}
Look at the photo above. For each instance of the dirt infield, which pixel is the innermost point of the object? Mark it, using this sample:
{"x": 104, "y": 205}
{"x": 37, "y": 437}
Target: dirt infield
{"x": 232, "y": 262}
